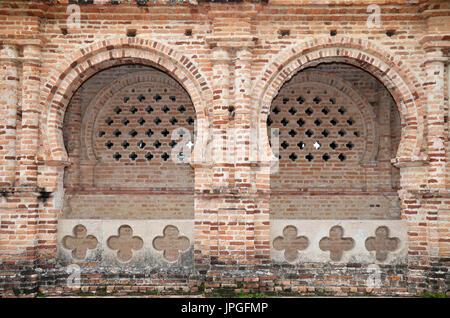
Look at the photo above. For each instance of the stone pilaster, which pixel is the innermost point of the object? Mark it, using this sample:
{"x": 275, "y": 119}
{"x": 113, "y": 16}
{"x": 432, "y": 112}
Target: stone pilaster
{"x": 434, "y": 67}
{"x": 241, "y": 122}
{"x": 436, "y": 141}
{"x": 73, "y": 141}
{"x": 223, "y": 143}
{"x": 30, "y": 114}
{"x": 243, "y": 117}
{"x": 208, "y": 205}
{"x": 385, "y": 143}
{"x": 9, "y": 85}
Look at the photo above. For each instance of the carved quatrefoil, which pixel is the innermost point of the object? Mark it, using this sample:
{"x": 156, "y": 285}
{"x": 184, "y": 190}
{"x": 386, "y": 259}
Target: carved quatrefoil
{"x": 80, "y": 242}
{"x": 171, "y": 243}
{"x": 125, "y": 243}
{"x": 290, "y": 243}
{"x": 336, "y": 243}
{"x": 381, "y": 243}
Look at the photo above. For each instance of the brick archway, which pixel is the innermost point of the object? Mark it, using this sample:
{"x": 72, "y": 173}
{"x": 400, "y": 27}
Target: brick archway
{"x": 87, "y": 61}
{"x": 397, "y": 78}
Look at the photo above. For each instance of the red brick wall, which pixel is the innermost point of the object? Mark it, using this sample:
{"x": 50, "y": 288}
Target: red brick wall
{"x": 232, "y": 68}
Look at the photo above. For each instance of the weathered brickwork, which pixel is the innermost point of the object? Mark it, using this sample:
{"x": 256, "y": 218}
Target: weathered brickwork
{"x": 280, "y": 146}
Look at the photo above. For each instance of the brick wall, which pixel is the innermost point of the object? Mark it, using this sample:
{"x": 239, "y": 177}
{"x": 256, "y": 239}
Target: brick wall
{"x": 59, "y": 85}
{"x": 135, "y": 204}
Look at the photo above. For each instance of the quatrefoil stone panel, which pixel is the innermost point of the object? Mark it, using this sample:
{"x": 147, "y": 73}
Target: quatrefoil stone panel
{"x": 336, "y": 243}
{"x": 80, "y": 242}
{"x": 125, "y": 243}
{"x": 381, "y": 243}
{"x": 350, "y": 241}
{"x": 171, "y": 243}
{"x": 290, "y": 243}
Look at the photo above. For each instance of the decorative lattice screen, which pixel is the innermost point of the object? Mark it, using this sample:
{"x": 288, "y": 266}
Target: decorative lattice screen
{"x": 142, "y": 124}
{"x": 323, "y": 133}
